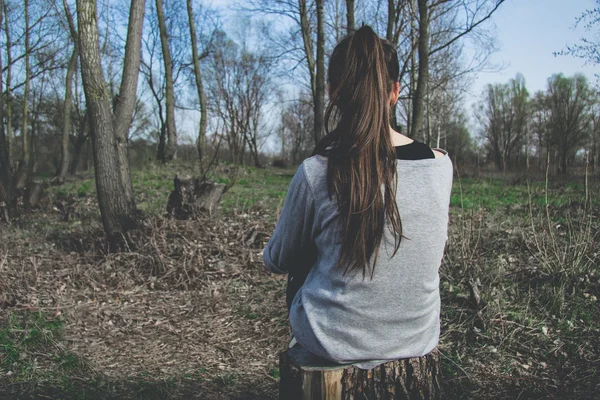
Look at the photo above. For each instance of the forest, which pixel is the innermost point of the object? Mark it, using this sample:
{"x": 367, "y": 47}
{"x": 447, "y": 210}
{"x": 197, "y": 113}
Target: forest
{"x": 146, "y": 148}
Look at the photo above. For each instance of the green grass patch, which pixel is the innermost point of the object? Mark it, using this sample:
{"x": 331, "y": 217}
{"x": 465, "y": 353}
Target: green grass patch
{"x": 25, "y": 333}
{"x": 248, "y": 313}
{"x": 495, "y": 193}
{"x": 258, "y": 188}
{"x": 274, "y": 373}
{"x": 30, "y": 350}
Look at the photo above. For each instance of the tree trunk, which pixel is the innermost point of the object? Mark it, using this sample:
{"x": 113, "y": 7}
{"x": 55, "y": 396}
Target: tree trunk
{"x": 412, "y": 76}
{"x": 80, "y": 141}
{"x": 320, "y": 84}
{"x": 389, "y": 33}
{"x": 563, "y": 162}
{"x": 170, "y": 152}
{"x": 8, "y": 195}
{"x": 34, "y": 128}
{"x": 423, "y": 77}
{"x": 108, "y": 130}
{"x": 427, "y": 133}
{"x": 34, "y": 194}
{"x": 8, "y": 198}
{"x": 66, "y": 134}
{"x": 25, "y": 163}
{"x": 162, "y": 138}
{"x": 350, "y": 15}
{"x": 126, "y": 99}
{"x": 77, "y": 149}
{"x": 304, "y": 376}
{"x": 8, "y": 100}
{"x": 4, "y": 158}
{"x": 310, "y": 58}
{"x": 67, "y": 166}
{"x": 201, "y": 144}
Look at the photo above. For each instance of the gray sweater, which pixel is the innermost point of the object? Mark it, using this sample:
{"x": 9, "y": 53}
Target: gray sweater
{"x": 348, "y": 319}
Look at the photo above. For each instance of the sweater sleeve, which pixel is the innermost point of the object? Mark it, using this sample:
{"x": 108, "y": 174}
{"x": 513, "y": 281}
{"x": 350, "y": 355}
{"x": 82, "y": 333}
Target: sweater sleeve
{"x": 292, "y": 244}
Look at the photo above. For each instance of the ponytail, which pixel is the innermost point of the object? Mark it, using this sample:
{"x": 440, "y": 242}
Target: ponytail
{"x": 362, "y": 71}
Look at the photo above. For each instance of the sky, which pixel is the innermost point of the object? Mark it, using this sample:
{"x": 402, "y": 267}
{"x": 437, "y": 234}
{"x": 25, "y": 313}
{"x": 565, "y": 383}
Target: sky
{"x": 528, "y": 34}
{"x": 529, "y": 31}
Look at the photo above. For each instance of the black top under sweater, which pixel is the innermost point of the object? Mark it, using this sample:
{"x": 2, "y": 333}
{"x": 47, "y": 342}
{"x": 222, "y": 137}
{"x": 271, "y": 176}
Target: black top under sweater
{"x": 414, "y": 151}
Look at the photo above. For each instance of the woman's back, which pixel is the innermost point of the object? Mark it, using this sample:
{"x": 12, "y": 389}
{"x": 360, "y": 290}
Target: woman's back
{"x": 394, "y": 313}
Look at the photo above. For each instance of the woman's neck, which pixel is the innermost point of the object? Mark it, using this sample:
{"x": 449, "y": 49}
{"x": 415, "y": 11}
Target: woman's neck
{"x": 399, "y": 139}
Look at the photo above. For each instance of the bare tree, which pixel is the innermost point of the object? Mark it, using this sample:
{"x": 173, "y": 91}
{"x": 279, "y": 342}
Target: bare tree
{"x": 196, "y": 57}
{"x": 81, "y": 124}
{"x": 223, "y": 90}
{"x": 350, "y": 15}
{"x": 68, "y": 103}
{"x": 319, "y": 95}
{"x": 167, "y": 148}
{"x": 539, "y": 124}
{"x": 297, "y": 120}
{"x": 568, "y": 100}
{"x": 81, "y": 138}
{"x": 476, "y": 13}
{"x": 336, "y": 21}
{"x": 33, "y": 52}
{"x": 504, "y": 115}
{"x": 155, "y": 78}
{"x": 301, "y": 45}
{"x": 9, "y": 62}
{"x": 109, "y": 126}
{"x": 423, "y": 73}
{"x": 7, "y": 189}
{"x": 594, "y": 146}
{"x": 25, "y": 163}
{"x": 240, "y": 87}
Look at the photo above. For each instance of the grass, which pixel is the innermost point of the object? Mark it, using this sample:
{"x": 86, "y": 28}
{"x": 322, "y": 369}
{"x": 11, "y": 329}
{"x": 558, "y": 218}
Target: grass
{"x": 537, "y": 280}
{"x": 494, "y": 193}
{"x": 263, "y": 188}
{"x": 266, "y": 188}
{"x": 24, "y": 337}
{"x": 254, "y": 187}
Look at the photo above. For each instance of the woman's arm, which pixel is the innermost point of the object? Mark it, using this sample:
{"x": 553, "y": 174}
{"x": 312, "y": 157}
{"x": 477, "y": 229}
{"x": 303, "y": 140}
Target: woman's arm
{"x": 291, "y": 246}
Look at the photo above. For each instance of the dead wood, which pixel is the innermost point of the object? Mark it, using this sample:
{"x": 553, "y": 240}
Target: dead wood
{"x": 193, "y": 197}
{"x": 305, "y": 376}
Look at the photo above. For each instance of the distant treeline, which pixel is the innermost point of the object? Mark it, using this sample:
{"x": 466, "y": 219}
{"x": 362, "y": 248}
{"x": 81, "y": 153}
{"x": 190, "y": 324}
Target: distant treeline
{"x": 558, "y": 125}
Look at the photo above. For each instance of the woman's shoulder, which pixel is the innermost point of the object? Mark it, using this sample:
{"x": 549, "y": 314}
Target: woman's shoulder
{"x": 314, "y": 166}
{"x": 439, "y": 153}
{"x": 314, "y": 170}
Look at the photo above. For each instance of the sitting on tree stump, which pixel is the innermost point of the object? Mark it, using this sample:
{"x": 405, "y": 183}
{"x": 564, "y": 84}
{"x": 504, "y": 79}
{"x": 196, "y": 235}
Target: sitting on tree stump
{"x": 304, "y": 376}
{"x": 361, "y": 236}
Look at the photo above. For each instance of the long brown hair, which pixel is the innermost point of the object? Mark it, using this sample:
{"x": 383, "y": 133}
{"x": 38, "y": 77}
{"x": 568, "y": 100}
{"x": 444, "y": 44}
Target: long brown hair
{"x": 361, "y": 170}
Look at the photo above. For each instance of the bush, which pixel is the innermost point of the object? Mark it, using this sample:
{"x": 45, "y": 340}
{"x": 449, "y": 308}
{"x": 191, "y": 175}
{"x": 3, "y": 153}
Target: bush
{"x": 279, "y": 163}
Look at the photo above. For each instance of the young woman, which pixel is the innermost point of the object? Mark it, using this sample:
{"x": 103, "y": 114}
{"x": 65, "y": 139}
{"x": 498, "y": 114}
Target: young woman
{"x": 364, "y": 224}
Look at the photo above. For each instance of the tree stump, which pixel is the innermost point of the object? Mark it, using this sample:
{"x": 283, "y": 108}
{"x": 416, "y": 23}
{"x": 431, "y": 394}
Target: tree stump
{"x": 193, "y": 197}
{"x": 304, "y": 376}
{"x": 34, "y": 194}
